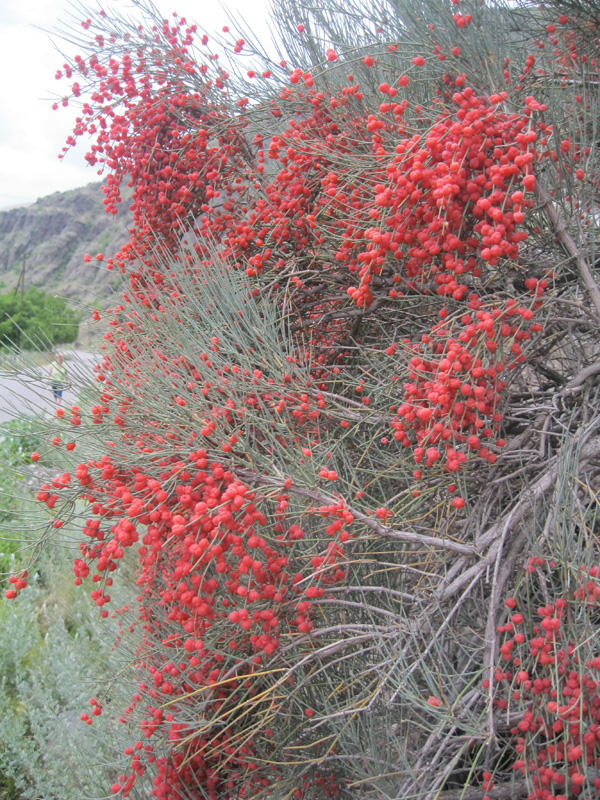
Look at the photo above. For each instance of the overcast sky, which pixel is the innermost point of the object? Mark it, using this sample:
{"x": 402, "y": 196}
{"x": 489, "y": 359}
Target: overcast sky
{"x": 31, "y": 134}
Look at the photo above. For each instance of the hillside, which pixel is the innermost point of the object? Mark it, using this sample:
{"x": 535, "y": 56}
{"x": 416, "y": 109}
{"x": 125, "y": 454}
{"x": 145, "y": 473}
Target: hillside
{"x": 52, "y": 236}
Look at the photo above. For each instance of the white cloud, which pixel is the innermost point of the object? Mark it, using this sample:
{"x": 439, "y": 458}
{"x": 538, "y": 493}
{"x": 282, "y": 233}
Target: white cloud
{"x": 31, "y": 133}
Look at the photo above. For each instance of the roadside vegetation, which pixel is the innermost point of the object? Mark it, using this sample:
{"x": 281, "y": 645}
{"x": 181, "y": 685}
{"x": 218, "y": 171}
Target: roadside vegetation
{"x": 35, "y": 319}
{"x": 54, "y": 654}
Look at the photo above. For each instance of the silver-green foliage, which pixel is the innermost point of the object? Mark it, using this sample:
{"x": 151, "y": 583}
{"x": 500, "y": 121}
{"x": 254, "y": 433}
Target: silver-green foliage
{"x": 50, "y": 666}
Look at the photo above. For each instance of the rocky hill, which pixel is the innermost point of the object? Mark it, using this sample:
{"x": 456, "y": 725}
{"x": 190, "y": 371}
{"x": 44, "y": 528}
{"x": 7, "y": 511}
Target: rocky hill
{"x": 51, "y": 237}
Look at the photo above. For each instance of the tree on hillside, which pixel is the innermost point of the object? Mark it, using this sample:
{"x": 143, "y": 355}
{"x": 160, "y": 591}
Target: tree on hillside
{"x": 350, "y": 399}
{"x": 36, "y": 319}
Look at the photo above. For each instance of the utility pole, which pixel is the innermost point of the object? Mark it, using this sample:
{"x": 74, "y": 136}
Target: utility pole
{"x": 21, "y": 280}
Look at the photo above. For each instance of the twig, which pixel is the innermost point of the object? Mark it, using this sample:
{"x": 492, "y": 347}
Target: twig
{"x": 581, "y": 377}
{"x": 377, "y": 527}
{"x": 503, "y": 791}
{"x": 561, "y": 231}
{"x": 490, "y": 630}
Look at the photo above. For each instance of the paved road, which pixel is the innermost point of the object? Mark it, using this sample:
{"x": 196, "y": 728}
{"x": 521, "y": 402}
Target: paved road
{"x": 25, "y": 388}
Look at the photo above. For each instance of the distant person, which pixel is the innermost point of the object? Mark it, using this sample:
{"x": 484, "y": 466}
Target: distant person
{"x": 58, "y": 378}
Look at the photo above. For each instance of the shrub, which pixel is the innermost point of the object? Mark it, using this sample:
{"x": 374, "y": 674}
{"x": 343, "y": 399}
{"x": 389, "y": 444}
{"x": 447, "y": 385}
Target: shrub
{"x": 345, "y": 398}
{"x": 18, "y": 439}
{"x": 51, "y": 660}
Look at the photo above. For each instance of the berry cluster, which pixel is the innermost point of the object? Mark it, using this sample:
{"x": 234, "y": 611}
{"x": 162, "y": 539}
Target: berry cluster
{"x": 552, "y": 683}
